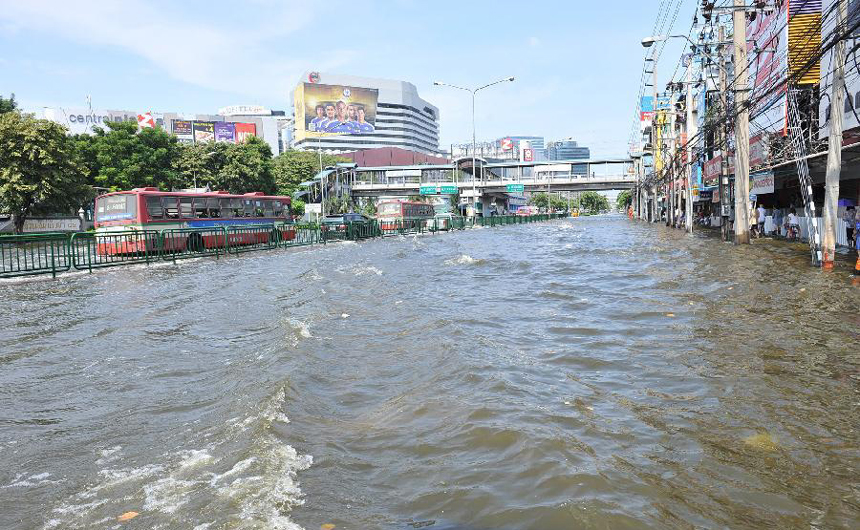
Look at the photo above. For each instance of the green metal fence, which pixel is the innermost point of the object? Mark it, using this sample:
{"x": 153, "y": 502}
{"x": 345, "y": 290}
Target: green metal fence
{"x": 51, "y": 253}
{"x": 90, "y": 250}
{"x": 181, "y": 243}
{"x": 30, "y": 254}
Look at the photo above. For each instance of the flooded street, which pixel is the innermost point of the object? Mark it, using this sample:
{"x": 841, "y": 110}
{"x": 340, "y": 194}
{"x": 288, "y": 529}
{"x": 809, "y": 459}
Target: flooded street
{"x": 586, "y": 373}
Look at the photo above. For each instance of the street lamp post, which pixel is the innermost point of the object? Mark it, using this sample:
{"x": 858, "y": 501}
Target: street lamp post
{"x": 473, "y": 91}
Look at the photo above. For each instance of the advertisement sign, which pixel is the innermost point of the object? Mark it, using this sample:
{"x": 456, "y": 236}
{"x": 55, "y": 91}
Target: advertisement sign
{"x": 204, "y": 131}
{"x": 767, "y": 55}
{"x": 244, "y": 110}
{"x": 81, "y": 120}
{"x": 759, "y": 149}
{"x": 761, "y": 182}
{"x": 804, "y": 41}
{"x": 184, "y": 131}
{"x": 850, "y": 112}
{"x": 528, "y": 155}
{"x": 507, "y": 144}
{"x": 711, "y": 171}
{"x": 225, "y": 132}
{"x": 145, "y": 121}
{"x": 244, "y": 131}
{"x": 335, "y": 109}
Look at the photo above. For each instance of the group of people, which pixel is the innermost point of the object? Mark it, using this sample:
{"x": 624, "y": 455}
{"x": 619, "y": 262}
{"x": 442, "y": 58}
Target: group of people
{"x": 340, "y": 117}
{"x": 791, "y": 223}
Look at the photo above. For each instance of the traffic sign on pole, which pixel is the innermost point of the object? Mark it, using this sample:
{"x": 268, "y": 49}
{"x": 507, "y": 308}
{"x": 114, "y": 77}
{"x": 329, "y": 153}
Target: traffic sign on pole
{"x": 515, "y": 188}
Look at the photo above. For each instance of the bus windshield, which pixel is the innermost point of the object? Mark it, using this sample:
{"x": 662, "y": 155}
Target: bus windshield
{"x": 389, "y": 208}
{"x": 116, "y": 208}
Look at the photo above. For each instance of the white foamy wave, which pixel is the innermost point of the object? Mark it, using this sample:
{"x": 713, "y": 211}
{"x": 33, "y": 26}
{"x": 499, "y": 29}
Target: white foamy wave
{"x": 463, "y": 259}
{"x": 368, "y": 270}
{"x": 302, "y": 328}
{"x": 194, "y": 457}
{"x": 23, "y": 481}
{"x": 167, "y": 495}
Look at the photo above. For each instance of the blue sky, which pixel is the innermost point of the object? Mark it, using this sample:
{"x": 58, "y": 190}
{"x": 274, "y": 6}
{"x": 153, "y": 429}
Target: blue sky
{"x": 577, "y": 63}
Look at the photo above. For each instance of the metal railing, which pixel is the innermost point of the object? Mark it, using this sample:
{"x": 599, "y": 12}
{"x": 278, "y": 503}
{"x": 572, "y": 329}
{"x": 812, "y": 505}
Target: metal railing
{"x": 52, "y": 253}
{"x": 30, "y": 254}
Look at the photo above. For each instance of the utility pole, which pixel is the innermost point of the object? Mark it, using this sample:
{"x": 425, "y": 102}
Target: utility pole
{"x": 742, "y": 127}
{"x": 655, "y": 143}
{"x": 834, "y": 143}
{"x": 722, "y": 187}
{"x": 691, "y": 127}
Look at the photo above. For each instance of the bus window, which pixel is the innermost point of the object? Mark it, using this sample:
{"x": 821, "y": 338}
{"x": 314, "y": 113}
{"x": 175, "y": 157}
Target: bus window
{"x": 226, "y": 208}
{"x": 268, "y": 209}
{"x": 249, "y": 208}
{"x": 200, "y": 210}
{"x": 154, "y": 208}
{"x": 258, "y": 208}
{"x": 171, "y": 207}
{"x": 278, "y": 208}
{"x": 185, "y": 208}
{"x": 213, "y": 207}
{"x": 238, "y": 208}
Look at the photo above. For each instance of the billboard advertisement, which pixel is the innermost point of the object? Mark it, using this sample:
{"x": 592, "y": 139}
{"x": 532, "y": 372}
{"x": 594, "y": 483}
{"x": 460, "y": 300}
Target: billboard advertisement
{"x": 334, "y": 109}
{"x": 245, "y": 131}
{"x": 225, "y": 131}
{"x": 184, "y": 131}
{"x": 767, "y": 54}
{"x": 850, "y": 112}
{"x": 204, "y": 131}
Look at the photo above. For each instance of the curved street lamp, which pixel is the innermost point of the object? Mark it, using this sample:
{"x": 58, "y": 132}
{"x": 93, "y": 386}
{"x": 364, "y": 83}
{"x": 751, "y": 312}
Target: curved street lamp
{"x": 473, "y": 91}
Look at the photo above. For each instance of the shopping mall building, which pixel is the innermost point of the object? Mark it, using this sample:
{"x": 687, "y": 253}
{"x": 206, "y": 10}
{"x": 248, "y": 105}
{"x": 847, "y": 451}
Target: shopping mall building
{"x": 230, "y": 124}
{"x": 340, "y": 113}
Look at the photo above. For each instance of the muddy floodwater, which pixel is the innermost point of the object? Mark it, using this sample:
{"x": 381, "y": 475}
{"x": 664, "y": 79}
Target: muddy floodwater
{"x": 584, "y": 373}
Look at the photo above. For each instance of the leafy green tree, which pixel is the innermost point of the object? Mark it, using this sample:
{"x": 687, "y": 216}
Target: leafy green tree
{"x": 8, "y": 105}
{"x": 623, "y": 200}
{"x": 593, "y": 202}
{"x": 121, "y": 158}
{"x": 297, "y": 207}
{"x": 293, "y": 167}
{"x": 238, "y": 168}
{"x": 38, "y": 172}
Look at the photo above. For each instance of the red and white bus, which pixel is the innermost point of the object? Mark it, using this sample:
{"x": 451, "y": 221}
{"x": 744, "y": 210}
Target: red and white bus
{"x": 151, "y": 209}
{"x": 392, "y": 214}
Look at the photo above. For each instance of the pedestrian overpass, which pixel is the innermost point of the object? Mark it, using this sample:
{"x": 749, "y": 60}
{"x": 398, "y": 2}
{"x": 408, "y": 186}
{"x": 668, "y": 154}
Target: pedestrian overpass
{"x": 460, "y": 177}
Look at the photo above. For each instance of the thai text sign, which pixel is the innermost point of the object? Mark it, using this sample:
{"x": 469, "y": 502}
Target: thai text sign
{"x": 761, "y": 182}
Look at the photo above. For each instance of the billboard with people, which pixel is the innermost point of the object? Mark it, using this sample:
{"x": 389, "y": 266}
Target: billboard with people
{"x": 334, "y": 109}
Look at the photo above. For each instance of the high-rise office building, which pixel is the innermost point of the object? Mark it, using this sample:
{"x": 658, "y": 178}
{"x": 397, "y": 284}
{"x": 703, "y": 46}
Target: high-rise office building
{"x": 567, "y": 149}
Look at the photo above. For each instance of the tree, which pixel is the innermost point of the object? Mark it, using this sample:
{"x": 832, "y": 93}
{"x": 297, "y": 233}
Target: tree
{"x": 624, "y": 200}
{"x": 238, "y": 168}
{"x": 297, "y": 207}
{"x": 8, "y": 105}
{"x": 121, "y": 158}
{"x": 38, "y": 172}
{"x": 541, "y": 200}
{"x": 247, "y": 168}
{"x": 293, "y": 167}
{"x": 593, "y": 202}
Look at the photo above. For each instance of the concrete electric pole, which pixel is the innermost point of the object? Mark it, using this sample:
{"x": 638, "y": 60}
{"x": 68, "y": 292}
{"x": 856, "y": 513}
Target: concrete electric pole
{"x": 834, "y": 142}
{"x": 691, "y": 128}
{"x": 742, "y": 127}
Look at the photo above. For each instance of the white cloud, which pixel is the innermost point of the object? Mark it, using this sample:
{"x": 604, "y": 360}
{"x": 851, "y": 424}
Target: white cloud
{"x": 218, "y": 55}
{"x": 534, "y": 42}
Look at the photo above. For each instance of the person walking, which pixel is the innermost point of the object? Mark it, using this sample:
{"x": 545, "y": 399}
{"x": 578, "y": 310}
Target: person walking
{"x": 850, "y": 218}
{"x": 762, "y": 213}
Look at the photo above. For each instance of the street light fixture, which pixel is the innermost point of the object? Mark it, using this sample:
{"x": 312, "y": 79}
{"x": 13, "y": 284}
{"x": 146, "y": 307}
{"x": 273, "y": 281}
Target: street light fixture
{"x": 473, "y": 91}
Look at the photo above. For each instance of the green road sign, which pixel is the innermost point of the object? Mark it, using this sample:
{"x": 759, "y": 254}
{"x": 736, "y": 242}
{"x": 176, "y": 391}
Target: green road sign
{"x": 449, "y": 189}
{"x": 428, "y": 190}
{"x": 516, "y": 187}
